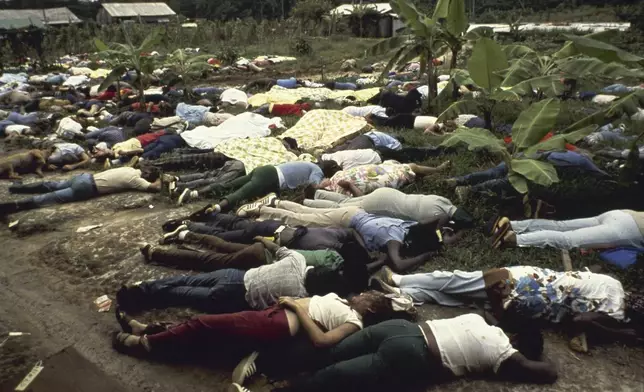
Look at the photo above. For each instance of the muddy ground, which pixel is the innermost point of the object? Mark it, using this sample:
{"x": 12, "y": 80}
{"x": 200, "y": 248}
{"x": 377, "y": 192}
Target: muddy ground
{"x": 50, "y": 275}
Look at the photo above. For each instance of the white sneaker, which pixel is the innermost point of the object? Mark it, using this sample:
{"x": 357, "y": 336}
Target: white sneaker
{"x": 245, "y": 369}
{"x": 268, "y": 200}
{"x": 234, "y": 387}
{"x": 168, "y": 237}
{"x": 186, "y": 196}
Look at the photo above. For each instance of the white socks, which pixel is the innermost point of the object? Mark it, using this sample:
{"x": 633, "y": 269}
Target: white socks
{"x": 182, "y": 234}
{"x": 195, "y": 194}
{"x": 216, "y": 208}
{"x": 396, "y": 279}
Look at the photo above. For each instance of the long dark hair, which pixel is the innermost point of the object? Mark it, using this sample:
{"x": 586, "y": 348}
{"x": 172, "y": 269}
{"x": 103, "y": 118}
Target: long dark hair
{"x": 323, "y": 280}
{"x": 422, "y": 238}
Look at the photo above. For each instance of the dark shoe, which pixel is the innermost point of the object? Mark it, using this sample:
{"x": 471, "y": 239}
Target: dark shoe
{"x": 131, "y": 299}
{"x": 201, "y": 215}
{"x": 8, "y": 208}
{"x": 173, "y": 235}
{"x": 123, "y": 343}
{"x": 173, "y": 224}
{"x": 378, "y": 285}
{"x": 146, "y": 251}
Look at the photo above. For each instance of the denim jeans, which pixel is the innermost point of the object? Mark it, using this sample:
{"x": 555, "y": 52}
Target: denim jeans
{"x": 497, "y": 172}
{"x": 77, "y": 188}
{"x": 443, "y": 287}
{"x": 608, "y": 230}
{"x": 390, "y": 356}
{"x": 217, "y": 292}
{"x": 163, "y": 144}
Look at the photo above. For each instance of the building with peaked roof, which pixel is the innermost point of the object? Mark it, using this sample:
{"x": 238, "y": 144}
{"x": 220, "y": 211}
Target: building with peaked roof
{"x": 135, "y": 12}
{"x": 47, "y": 16}
{"x": 386, "y": 21}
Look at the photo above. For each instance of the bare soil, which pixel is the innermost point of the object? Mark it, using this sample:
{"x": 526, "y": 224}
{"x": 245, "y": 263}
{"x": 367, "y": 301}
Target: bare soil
{"x": 50, "y": 275}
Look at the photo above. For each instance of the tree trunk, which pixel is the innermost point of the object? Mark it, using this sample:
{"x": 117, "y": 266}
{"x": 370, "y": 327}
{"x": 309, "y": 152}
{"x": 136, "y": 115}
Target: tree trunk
{"x": 452, "y": 63}
{"x": 431, "y": 81}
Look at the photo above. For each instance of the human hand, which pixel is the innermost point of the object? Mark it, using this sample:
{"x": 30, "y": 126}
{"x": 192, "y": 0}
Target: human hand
{"x": 287, "y": 302}
{"x": 344, "y": 184}
{"x": 67, "y": 168}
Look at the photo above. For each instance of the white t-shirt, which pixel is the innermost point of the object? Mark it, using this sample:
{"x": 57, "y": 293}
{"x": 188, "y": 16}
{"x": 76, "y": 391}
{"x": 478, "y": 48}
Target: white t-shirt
{"x": 469, "y": 345}
{"x": 19, "y": 129}
{"x": 332, "y": 311}
{"x": 363, "y": 111}
{"x": 352, "y": 158}
{"x": 120, "y": 179}
{"x": 604, "y": 98}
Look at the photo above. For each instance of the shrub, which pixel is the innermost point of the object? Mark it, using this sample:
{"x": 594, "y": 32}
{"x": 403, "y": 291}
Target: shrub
{"x": 302, "y": 47}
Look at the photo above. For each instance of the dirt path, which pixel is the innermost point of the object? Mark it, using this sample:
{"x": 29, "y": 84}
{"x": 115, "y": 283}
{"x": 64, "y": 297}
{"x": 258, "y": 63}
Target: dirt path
{"x": 50, "y": 274}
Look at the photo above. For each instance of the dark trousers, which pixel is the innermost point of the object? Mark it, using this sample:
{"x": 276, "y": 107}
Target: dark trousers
{"x": 403, "y": 120}
{"x": 208, "y": 181}
{"x": 361, "y": 142}
{"x": 491, "y": 180}
{"x": 221, "y": 255}
{"x": 390, "y": 356}
{"x": 409, "y": 154}
{"x": 211, "y": 332}
{"x": 401, "y": 104}
{"x": 241, "y": 234}
{"x": 260, "y": 182}
{"x": 191, "y": 161}
{"x": 215, "y": 292}
{"x": 163, "y": 144}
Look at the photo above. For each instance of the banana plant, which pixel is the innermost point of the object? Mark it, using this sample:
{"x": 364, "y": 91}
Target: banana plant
{"x": 528, "y": 132}
{"x": 586, "y": 59}
{"x": 484, "y": 66}
{"x": 126, "y": 57}
{"x": 424, "y": 37}
{"x": 187, "y": 67}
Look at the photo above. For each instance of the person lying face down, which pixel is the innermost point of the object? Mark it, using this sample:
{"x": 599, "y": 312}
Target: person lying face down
{"x": 398, "y": 355}
{"x": 407, "y": 243}
{"x": 580, "y": 300}
{"x": 325, "y": 320}
{"x": 233, "y": 290}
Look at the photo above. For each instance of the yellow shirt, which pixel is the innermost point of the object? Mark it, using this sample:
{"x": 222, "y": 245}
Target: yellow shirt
{"x": 128, "y": 145}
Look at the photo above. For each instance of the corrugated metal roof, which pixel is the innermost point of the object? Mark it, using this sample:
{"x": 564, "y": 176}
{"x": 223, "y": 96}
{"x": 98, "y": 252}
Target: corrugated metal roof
{"x": 136, "y": 9}
{"x": 347, "y": 9}
{"x": 53, "y": 16}
{"x": 19, "y": 24}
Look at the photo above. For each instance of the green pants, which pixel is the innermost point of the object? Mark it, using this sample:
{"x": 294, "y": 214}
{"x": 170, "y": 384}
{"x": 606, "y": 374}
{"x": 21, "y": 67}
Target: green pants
{"x": 260, "y": 182}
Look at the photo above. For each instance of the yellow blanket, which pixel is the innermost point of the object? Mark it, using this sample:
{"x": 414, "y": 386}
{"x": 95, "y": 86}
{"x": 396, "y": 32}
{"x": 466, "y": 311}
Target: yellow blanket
{"x": 279, "y": 94}
{"x": 259, "y": 151}
{"x": 319, "y": 130}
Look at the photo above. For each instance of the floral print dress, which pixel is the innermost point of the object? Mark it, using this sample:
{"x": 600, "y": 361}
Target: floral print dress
{"x": 367, "y": 178}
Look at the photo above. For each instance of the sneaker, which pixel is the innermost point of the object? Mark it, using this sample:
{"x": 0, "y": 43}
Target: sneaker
{"x": 234, "y": 387}
{"x": 462, "y": 192}
{"x": 186, "y": 196}
{"x": 172, "y": 236}
{"x": 268, "y": 200}
{"x": 245, "y": 368}
{"x": 378, "y": 285}
{"x": 167, "y": 178}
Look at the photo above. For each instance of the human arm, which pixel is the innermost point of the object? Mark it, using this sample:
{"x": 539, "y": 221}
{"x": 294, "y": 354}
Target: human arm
{"x": 400, "y": 264}
{"x": 154, "y": 187}
{"x": 317, "y": 336}
{"x": 518, "y": 368}
{"x": 270, "y": 245}
{"x": 349, "y": 186}
{"x": 84, "y": 160}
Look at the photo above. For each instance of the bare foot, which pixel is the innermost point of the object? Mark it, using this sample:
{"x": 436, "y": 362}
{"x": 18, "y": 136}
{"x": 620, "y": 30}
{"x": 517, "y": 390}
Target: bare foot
{"x": 445, "y": 165}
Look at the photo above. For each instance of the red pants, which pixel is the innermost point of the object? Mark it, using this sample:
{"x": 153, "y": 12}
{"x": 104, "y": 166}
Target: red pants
{"x": 204, "y": 332}
{"x": 287, "y": 109}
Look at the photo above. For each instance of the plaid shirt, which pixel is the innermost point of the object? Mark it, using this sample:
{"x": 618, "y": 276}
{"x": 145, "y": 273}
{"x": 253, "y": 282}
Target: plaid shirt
{"x": 284, "y": 278}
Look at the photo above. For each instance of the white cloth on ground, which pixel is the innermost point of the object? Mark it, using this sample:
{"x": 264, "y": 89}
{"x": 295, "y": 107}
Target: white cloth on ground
{"x": 243, "y": 125}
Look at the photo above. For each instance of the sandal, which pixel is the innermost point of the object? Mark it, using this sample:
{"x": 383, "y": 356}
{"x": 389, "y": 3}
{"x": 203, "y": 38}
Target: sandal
{"x": 502, "y": 229}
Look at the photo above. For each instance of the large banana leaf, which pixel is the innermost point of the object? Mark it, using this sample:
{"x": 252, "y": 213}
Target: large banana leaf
{"x": 393, "y": 61}
{"x": 569, "y": 50}
{"x": 550, "y": 85}
{"x": 150, "y": 41}
{"x": 542, "y": 173}
{"x": 558, "y": 142}
{"x": 517, "y": 51}
{"x": 462, "y": 77}
{"x": 479, "y": 32}
{"x": 518, "y": 182}
{"x": 459, "y": 107}
{"x": 100, "y": 45}
{"x": 487, "y": 59}
{"x": 475, "y": 138}
{"x": 629, "y": 105}
{"x": 456, "y": 19}
{"x": 112, "y": 77}
{"x": 590, "y": 66}
{"x": 520, "y": 70}
{"x": 441, "y": 9}
{"x": 534, "y": 123}
{"x": 410, "y": 15}
{"x": 387, "y": 45}
{"x": 504, "y": 95}
{"x": 603, "y": 51}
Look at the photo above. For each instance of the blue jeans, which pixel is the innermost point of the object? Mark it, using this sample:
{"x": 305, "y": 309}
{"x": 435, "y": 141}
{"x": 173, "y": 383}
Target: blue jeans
{"x": 221, "y": 291}
{"x": 80, "y": 187}
{"x": 494, "y": 173}
{"x": 163, "y": 144}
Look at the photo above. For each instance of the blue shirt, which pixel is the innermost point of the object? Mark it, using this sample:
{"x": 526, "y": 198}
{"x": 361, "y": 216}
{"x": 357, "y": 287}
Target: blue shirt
{"x": 294, "y": 174}
{"x": 378, "y": 230}
{"x": 383, "y": 140}
{"x": 287, "y": 83}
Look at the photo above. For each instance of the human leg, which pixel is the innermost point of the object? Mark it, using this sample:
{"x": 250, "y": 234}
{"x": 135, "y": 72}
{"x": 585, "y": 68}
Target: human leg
{"x": 358, "y": 143}
{"x": 80, "y": 187}
{"x": 326, "y": 199}
{"x": 40, "y": 187}
{"x": 498, "y": 171}
{"x": 309, "y": 217}
{"x": 262, "y": 181}
{"x": 220, "y": 291}
{"x": 443, "y": 287}
{"x": 250, "y": 256}
{"x": 213, "y": 243}
{"x": 421, "y": 170}
{"x": 616, "y": 228}
{"x": 533, "y": 225}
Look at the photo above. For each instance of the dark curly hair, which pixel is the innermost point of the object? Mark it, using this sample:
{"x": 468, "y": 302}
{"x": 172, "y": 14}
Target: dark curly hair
{"x": 381, "y": 309}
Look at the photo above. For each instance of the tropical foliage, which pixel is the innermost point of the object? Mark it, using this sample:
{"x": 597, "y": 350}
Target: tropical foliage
{"x": 186, "y": 66}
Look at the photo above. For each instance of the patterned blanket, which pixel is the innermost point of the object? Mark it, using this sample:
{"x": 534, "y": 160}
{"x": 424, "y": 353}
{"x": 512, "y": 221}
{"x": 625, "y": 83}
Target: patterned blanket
{"x": 259, "y": 151}
{"x": 279, "y": 94}
{"x": 319, "y": 130}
